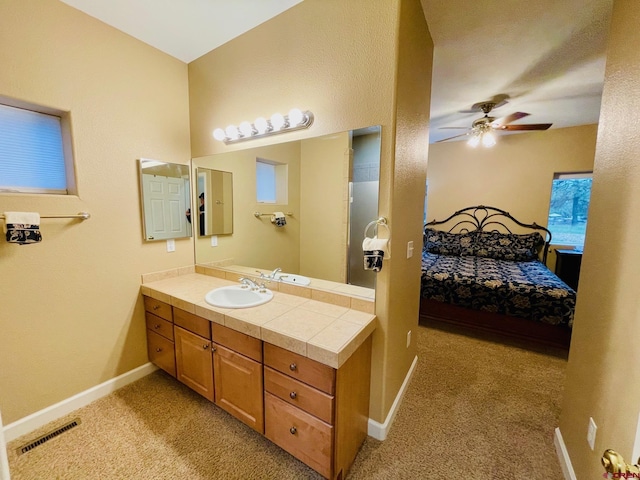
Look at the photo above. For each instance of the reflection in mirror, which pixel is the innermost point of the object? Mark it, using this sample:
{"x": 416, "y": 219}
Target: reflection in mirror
{"x": 165, "y": 199}
{"x": 215, "y": 199}
{"x": 325, "y": 208}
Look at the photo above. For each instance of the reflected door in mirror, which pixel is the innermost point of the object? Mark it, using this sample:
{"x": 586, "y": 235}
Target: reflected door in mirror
{"x": 215, "y": 200}
{"x": 165, "y": 200}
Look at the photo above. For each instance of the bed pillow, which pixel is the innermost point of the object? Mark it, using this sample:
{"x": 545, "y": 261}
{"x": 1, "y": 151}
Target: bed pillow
{"x": 508, "y": 246}
{"x": 445, "y": 243}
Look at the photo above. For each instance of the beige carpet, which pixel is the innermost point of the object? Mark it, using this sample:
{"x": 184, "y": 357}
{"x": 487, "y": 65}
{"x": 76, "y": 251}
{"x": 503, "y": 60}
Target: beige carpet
{"x": 475, "y": 409}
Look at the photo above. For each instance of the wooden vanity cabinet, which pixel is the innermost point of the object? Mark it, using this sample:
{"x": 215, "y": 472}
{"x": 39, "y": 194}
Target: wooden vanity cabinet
{"x": 160, "y": 344}
{"x": 237, "y": 373}
{"x": 317, "y": 413}
{"x": 194, "y": 366}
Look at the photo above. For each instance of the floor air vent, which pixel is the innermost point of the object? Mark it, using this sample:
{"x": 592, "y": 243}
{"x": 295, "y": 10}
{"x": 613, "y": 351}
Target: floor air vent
{"x": 48, "y": 436}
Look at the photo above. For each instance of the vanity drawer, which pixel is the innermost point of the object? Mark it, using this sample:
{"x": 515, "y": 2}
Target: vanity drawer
{"x": 159, "y": 325}
{"x": 238, "y": 342}
{"x": 193, "y": 323}
{"x": 161, "y": 352}
{"x": 158, "y": 308}
{"x": 302, "y": 368}
{"x": 302, "y": 435}
{"x": 309, "y": 399}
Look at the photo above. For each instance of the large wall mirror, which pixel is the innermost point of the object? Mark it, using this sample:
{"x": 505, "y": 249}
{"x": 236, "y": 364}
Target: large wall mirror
{"x": 165, "y": 199}
{"x": 214, "y": 191}
{"x": 326, "y": 188}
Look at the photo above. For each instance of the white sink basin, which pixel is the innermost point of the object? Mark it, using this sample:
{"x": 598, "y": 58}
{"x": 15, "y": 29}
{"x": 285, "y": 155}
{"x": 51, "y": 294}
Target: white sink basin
{"x": 293, "y": 279}
{"x": 237, "y": 296}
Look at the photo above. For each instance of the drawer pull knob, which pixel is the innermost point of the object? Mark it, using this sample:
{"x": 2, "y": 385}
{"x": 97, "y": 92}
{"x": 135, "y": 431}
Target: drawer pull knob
{"x": 156, "y": 307}
{"x": 156, "y": 327}
{"x": 158, "y": 350}
{"x": 293, "y": 430}
{"x": 293, "y": 367}
{"x": 293, "y": 395}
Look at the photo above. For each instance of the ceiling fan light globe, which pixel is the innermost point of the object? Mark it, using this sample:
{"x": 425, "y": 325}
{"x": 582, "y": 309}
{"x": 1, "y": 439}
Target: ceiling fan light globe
{"x": 488, "y": 139}
{"x": 474, "y": 141}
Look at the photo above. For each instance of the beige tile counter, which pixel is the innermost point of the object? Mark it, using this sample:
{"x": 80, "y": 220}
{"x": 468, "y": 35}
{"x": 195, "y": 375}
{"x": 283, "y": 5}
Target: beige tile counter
{"x": 308, "y": 325}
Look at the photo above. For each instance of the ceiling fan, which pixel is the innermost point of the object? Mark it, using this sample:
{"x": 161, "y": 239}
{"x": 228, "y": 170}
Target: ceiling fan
{"x": 481, "y": 130}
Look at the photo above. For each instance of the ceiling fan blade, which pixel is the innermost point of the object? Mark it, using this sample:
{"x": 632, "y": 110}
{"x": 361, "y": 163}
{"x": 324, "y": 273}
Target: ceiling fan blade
{"x": 451, "y": 138}
{"x": 456, "y": 128}
{"x": 526, "y": 126}
{"x": 509, "y": 118}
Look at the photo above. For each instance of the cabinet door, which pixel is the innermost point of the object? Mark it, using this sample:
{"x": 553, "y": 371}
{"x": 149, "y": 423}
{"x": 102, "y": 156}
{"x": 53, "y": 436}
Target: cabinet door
{"x": 238, "y": 382}
{"x": 194, "y": 367}
{"x": 161, "y": 352}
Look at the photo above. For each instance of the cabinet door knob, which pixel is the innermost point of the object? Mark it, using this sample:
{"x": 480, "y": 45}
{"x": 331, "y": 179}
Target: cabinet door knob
{"x": 155, "y": 307}
{"x": 213, "y": 349}
{"x": 293, "y": 395}
{"x": 293, "y": 367}
{"x": 158, "y": 350}
{"x": 205, "y": 347}
{"x": 156, "y": 327}
{"x": 293, "y": 430}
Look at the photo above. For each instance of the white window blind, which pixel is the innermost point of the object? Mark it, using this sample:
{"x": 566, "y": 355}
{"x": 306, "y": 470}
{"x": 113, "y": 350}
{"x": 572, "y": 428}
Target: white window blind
{"x": 31, "y": 152}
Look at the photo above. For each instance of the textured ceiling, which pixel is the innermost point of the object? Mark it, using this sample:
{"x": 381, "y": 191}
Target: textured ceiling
{"x": 546, "y": 57}
{"x": 185, "y": 29}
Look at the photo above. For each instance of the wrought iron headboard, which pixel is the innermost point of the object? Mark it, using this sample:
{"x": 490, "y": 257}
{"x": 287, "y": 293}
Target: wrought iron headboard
{"x": 483, "y": 218}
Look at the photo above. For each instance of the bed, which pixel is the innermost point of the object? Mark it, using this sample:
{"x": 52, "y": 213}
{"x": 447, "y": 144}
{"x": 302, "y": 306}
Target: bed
{"x": 478, "y": 273}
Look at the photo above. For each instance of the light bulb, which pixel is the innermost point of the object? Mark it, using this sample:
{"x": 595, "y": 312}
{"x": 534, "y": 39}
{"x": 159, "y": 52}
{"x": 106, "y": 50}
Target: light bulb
{"x": 488, "y": 139}
{"x": 277, "y": 121}
{"x": 219, "y": 134}
{"x": 261, "y": 125}
{"x": 245, "y": 129}
{"x": 232, "y": 132}
{"x": 474, "y": 141}
{"x": 295, "y": 117}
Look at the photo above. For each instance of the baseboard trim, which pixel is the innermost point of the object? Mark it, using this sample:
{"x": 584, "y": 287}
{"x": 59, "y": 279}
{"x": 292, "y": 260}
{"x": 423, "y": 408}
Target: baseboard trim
{"x": 53, "y": 412}
{"x": 378, "y": 430}
{"x": 563, "y": 456}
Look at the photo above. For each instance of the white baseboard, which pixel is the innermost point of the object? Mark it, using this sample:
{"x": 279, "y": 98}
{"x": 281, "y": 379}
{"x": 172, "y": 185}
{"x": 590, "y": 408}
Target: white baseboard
{"x": 563, "y": 456}
{"x": 60, "y": 409}
{"x": 379, "y": 430}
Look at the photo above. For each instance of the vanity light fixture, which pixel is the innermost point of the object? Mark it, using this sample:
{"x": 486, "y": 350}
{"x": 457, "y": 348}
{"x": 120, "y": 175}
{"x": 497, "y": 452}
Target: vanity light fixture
{"x": 261, "y": 127}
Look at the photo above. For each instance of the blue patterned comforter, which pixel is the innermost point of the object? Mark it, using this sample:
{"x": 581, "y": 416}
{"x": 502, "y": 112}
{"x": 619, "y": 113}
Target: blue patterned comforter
{"x": 520, "y": 289}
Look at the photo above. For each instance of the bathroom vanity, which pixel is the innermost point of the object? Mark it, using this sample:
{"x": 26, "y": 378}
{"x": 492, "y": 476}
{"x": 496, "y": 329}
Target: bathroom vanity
{"x": 296, "y": 369}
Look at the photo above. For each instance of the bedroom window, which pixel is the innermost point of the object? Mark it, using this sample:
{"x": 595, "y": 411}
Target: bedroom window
{"x": 35, "y": 149}
{"x": 570, "y": 195}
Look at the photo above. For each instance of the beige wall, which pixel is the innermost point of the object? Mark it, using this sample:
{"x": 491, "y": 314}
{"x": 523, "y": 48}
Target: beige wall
{"x": 70, "y": 310}
{"x": 337, "y": 59}
{"x": 324, "y": 196}
{"x": 514, "y": 175}
{"x": 603, "y": 379}
{"x": 256, "y": 242}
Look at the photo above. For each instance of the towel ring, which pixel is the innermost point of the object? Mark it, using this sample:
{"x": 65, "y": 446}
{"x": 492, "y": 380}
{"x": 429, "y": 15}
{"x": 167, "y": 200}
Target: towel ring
{"x": 382, "y": 221}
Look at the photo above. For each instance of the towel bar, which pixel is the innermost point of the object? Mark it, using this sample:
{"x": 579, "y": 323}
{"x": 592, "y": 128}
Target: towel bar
{"x": 82, "y": 215}
{"x": 258, "y": 214}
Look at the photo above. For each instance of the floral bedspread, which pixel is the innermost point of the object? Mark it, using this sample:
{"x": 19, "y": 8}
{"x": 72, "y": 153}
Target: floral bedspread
{"x": 520, "y": 289}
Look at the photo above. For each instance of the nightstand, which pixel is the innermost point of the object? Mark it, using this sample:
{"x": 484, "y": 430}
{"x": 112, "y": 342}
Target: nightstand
{"x": 568, "y": 266}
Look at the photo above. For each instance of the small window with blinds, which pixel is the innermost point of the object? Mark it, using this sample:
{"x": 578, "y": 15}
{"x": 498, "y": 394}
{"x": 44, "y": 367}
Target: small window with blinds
{"x": 35, "y": 151}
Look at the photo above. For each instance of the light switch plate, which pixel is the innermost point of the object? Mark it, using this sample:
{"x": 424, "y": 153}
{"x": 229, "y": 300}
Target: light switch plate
{"x": 214, "y": 240}
{"x": 171, "y": 245}
{"x": 410, "y": 249}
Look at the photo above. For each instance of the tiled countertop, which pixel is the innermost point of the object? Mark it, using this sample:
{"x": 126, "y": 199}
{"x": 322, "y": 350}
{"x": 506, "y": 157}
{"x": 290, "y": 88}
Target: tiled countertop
{"x": 324, "y": 332}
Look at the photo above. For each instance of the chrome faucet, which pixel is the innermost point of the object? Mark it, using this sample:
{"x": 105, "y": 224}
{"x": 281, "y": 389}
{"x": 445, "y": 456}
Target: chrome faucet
{"x": 249, "y": 283}
{"x": 271, "y": 276}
